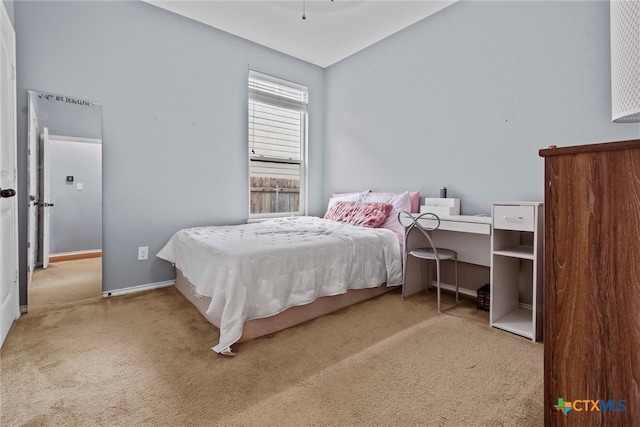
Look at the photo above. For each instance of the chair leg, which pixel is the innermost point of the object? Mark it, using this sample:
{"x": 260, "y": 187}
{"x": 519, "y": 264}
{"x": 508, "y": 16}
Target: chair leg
{"x": 424, "y": 270}
{"x": 404, "y": 273}
{"x": 438, "y": 283}
{"x": 455, "y": 260}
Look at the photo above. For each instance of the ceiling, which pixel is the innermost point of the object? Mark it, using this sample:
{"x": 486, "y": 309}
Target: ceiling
{"x": 332, "y": 30}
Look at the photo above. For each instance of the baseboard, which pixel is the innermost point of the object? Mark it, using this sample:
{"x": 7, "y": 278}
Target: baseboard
{"x": 139, "y": 288}
{"x": 525, "y": 306}
{"x": 24, "y": 309}
{"x": 473, "y": 294}
{"x": 461, "y": 290}
{"x": 72, "y": 256}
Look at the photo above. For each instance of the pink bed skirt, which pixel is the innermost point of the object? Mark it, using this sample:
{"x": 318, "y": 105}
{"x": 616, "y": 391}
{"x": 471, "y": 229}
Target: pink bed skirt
{"x": 290, "y": 317}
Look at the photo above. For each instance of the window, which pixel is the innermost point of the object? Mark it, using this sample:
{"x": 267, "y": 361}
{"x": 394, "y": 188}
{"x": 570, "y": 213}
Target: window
{"x": 277, "y": 134}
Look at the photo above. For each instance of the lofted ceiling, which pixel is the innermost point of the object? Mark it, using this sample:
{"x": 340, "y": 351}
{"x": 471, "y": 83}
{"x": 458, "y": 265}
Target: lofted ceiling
{"x": 332, "y": 30}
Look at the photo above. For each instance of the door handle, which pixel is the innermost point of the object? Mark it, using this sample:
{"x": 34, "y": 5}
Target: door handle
{"x": 7, "y": 193}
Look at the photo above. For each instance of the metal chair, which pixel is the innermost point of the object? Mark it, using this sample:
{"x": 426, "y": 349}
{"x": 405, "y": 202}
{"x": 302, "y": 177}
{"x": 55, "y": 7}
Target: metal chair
{"x": 425, "y": 223}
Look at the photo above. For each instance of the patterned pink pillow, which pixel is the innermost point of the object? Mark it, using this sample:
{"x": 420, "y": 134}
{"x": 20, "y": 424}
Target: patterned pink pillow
{"x": 359, "y": 213}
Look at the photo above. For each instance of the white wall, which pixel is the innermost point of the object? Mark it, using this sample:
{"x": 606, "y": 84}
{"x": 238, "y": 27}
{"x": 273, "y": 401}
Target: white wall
{"x": 467, "y": 97}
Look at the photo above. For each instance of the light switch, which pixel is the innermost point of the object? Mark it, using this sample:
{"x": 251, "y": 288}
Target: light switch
{"x": 79, "y": 186}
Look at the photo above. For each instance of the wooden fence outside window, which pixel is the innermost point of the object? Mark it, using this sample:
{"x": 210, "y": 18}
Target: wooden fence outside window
{"x": 272, "y": 195}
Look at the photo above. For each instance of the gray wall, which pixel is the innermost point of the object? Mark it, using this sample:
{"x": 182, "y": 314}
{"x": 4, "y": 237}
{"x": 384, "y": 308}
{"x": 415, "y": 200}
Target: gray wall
{"x": 174, "y": 98}
{"x": 76, "y": 217}
{"x": 63, "y": 114}
{"x": 8, "y": 4}
{"x": 467, "y": 97}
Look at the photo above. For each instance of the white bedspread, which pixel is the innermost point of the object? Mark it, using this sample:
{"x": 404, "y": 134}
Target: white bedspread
{"x": 257, "y": 270}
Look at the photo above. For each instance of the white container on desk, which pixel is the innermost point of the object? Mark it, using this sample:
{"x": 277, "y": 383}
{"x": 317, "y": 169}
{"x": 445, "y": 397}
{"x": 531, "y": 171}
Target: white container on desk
{"x": 441, "y": 207}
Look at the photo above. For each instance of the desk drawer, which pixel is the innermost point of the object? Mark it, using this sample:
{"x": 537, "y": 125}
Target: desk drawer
{"x": 519, "y": 218}
{"x": 461, "y": 226}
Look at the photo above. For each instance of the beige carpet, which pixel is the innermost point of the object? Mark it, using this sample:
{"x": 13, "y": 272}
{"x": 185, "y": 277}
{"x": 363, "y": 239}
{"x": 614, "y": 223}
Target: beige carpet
{"x": 65, "y": 284}
{"x": 145, "y": 359}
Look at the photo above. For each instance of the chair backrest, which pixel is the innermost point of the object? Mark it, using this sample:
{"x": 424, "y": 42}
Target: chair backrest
{"x": 409, "y": 222}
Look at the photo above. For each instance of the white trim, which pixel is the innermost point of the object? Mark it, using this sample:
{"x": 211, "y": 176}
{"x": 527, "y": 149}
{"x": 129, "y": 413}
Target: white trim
{"x": 89, "y": 251}
{"x": 525, "y": 306}
{"x": 24, "y": 309}
{"x": 139, "y": 288}
{"x": 74, "y": 139}
{"x": 474, "y": 294}
{"x": 461, "y": 290}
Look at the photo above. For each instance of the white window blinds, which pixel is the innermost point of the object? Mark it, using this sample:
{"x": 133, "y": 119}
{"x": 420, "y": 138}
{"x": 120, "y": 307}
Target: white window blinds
{"x": 277, "y": 92}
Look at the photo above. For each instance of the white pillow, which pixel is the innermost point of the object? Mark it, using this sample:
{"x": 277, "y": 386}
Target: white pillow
{"x": 354, "y": 197}
{"x": 400, "y": 202}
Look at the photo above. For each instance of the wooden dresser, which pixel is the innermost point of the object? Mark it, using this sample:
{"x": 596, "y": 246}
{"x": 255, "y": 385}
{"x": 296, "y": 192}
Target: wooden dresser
{"x": 592, "y": 285}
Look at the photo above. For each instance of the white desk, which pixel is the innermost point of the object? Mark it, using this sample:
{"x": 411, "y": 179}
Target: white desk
{"x": 468, "y": 235}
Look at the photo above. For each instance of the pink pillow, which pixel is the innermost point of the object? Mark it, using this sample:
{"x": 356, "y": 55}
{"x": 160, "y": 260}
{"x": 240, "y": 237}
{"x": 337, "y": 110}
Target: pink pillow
{"x": 401, "y": 202}
{"x": 415, "y": 201}
{"x": 358, "y": 213}
{"x": 414, "y": 196}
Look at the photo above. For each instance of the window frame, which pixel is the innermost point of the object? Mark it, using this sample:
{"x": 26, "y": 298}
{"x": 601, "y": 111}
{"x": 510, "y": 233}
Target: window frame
{"x": 302, "y": 108}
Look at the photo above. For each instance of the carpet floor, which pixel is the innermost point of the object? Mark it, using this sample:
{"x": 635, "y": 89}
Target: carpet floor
{"x": 65, "y": 284}
{"x": 144, "y": 359}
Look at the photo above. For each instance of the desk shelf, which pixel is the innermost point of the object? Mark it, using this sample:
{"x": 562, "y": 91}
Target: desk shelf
{"x": 516, "y": 268}
{"x": 520, "y": 251}
{"x": 517, "y": 321}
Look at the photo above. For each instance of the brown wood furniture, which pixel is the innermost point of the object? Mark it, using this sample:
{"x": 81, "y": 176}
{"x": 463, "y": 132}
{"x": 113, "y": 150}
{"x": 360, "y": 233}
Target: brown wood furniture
{"x": 592, "y": 284}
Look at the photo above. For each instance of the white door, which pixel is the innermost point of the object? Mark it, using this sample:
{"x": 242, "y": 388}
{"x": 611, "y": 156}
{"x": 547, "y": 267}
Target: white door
{"x": 9, "y": 299}
{"x": 46, "y": 197}
{"x": 32, "y": 238}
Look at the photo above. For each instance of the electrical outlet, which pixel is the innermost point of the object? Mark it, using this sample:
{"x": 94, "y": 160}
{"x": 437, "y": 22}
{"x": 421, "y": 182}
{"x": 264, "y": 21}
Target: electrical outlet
{"x": 143, "y": 253}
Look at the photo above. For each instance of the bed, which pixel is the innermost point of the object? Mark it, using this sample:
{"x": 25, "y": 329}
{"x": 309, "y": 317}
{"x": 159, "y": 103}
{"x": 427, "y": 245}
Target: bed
{"x": 254, "y": 279}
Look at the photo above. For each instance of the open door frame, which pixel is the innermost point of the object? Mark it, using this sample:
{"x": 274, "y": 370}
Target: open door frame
{"x": 9, "y": 289}
{"x": 46, "y": 197}
{"x": 33, "y": 153}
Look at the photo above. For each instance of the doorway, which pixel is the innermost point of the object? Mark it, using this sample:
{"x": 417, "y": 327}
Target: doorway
{"x": 65, "y": 201}
{"x": 9, "y": 300}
